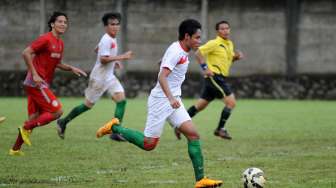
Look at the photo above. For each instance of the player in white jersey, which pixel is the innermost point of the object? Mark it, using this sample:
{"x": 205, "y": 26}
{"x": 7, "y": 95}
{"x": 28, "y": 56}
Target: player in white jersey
{"x": 102, "y": 77}
{"x": 165, "y": 104}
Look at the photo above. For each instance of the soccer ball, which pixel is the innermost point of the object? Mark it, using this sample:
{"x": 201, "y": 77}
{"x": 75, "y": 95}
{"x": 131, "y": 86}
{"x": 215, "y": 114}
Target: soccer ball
{"x": 253, "y": 178}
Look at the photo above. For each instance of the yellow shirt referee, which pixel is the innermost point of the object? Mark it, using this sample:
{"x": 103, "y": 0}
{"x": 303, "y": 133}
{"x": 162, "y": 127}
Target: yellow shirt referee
{"x": 219, "y": 55}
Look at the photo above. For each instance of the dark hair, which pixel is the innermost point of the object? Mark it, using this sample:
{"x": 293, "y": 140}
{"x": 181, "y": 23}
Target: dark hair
{"x": 189, "y": 26}
{"x": 221, "y": 22}
{"x": 110, "y": 15}
{"x": 53, "y": 18}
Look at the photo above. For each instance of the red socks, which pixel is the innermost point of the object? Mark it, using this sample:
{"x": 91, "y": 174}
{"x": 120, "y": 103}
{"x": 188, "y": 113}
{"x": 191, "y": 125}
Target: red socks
{"x": 43, "y": 119}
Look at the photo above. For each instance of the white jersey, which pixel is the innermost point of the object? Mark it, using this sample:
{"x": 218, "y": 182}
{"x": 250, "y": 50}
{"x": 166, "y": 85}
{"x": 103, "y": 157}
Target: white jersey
{"x": 107, "y": 47}
{"x": 176, "y": 60}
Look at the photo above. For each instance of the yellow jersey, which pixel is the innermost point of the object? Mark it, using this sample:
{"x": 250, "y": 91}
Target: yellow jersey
{"x": 219, "y": 54}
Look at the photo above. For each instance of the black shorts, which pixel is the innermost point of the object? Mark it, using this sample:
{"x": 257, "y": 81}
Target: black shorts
{"x": 215, "y": 87}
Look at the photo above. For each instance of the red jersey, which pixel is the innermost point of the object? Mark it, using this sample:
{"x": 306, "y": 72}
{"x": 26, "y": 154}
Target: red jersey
{"x": 48, "y": 53}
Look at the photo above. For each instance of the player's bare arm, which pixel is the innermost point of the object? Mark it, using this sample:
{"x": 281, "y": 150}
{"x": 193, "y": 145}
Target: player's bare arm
{"x": 27, "y": 55}
{"x": 73, "y": 69}
{"x": 108, "y": 59}
{"x": 164, "y": 85}
{"x": 201, "y": 61}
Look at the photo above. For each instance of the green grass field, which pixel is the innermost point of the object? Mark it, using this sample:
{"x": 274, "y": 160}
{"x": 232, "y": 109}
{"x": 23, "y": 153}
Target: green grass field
{"x": 294, "y": 142}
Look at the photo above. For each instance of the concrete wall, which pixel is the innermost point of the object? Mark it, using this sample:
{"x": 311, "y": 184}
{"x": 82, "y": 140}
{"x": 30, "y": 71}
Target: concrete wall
{"x": 317, "y": 44}
{"x": 258, "y": 29}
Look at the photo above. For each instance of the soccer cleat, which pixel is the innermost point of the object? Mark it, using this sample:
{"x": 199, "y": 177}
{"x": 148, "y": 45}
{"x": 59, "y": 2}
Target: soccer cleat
{"x": 2, "y": 119}
{"x": 117, "y": 137}
{"x": 25, "y": 134}
{"x": 107, "y": 128}
{"x": 15, "y": 152}
{"x": 177, "y": 133}
{"x": 60, "y": 128}
{"x": 222, "y": 133}
{"x": 207, "y": 183}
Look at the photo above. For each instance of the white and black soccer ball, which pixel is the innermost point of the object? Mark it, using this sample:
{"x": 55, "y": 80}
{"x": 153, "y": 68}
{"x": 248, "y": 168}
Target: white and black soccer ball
{"x": 253, "y": 178}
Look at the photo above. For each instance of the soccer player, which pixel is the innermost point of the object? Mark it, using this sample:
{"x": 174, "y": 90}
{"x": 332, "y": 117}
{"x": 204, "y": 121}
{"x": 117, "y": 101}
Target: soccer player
{"x": 165, "y": 104}
{"x": 102, "y": 77}
{"x": 220, "y": 55}
{"x": 42, "y": 57}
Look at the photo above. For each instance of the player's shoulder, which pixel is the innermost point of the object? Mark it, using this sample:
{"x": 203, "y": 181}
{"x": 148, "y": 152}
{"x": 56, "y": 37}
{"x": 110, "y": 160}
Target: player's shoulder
{"x": 211, "y": 42}
{"x": 45, "y": 36}
{"x": 176, "y": 48}
{"x": 106, "y": 38}
{"x": 174, "y": 51}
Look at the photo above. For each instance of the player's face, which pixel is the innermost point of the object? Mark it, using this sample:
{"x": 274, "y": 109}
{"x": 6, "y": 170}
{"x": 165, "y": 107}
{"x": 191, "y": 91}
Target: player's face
{"x": 195, "y": 40}
{"x": 223, "y": 30}
{"x": 60, "y": 25}
{"x": 112, "y": 27}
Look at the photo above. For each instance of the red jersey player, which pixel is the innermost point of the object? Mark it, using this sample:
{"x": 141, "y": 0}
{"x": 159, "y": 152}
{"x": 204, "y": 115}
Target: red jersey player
{"x": 42, "y": 57}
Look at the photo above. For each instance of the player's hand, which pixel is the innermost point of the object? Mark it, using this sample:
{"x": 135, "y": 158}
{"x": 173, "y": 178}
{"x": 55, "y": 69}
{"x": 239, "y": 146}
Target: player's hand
{"x": 239, "y": 55}
{"x": 118, "y": 65}
{"x": 128, "y": 55}
{"x": 208, "y": 73}
{"x": 78, "y": 72}
{"x": 38, "y": 80}
{"x": 174, "y": 103}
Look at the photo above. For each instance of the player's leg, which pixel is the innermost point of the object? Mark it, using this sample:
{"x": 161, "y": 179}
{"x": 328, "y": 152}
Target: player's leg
{"x": 200, "y": 105}
{"x": 207, "y": 95}
{"x": 117, "y": 93}
{"x": 158, "y": 111}
{"x": 180, "y": 119}
{"x": 76, "y": 111}
{"x": 49, "y": 108}
{"x": 120, "y": 100}
{"x": 196, "y": 156}
{"x": 230, "y": 103}
{"x": 32, "y": 114}
{"x": 133, "y": 136}
{"x": 93, "y": 93}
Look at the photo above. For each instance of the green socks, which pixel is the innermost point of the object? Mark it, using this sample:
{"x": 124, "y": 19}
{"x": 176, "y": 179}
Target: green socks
{"x": 120, "y": 110}
{"x": 194, "y": 147}
{"x": 74, "y": 113}
{"x": 135, "y": 137}
{"x": 195, "y": 154}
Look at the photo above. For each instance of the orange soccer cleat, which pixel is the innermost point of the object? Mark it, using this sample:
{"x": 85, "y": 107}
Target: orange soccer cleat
{"x": 107, "y": 128}
{"x": 207, "y": 183}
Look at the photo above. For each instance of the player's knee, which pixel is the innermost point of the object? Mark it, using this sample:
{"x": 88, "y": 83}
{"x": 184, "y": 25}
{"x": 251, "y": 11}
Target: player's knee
{"x": 150, "y": 144}
{"x": 193, "y": 136}
{"x": 200, "y": 107}
{"x": 58, "y": 114}
{"x": 88, "y": 104}
{"x": 231, "y": 103}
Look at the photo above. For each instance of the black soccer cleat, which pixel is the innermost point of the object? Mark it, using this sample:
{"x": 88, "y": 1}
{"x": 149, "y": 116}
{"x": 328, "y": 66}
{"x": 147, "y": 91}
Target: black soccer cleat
{"x": 60, "y": 129}
{"x": 117, "y": 137}
{"x": 223, "y": 133}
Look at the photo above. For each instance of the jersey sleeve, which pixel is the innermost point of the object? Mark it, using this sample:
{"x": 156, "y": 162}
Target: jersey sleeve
{"x": 170, "y": 60}
{"x": 104, "y": 47}
{"x": 207, "y": 48}
{"x": 39, "y": 44}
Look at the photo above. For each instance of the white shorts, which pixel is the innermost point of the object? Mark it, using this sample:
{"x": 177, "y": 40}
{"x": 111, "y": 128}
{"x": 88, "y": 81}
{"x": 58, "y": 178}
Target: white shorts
{"x": 96, "y": 89}
{"x": 159, "y": 110}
